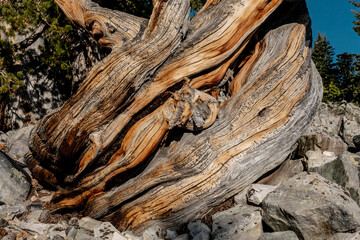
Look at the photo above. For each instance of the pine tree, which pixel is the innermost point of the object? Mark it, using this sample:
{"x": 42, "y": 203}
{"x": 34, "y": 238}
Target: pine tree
{"x": 347, "y": 66}
{"x": 357, "y": 16}
{"x": 62, "y": 43}
{"x": 322, "y": 56}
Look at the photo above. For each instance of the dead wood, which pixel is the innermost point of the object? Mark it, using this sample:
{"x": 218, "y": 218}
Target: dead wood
{"x": 182, "y": 114}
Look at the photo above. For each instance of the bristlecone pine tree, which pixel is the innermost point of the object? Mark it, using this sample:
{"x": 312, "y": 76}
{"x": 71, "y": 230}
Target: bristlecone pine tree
{"x": 182, "y": 114}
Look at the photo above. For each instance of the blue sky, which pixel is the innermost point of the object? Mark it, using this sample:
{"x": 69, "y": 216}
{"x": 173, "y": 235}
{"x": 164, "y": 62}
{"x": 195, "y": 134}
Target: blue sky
{"x": 334, "y": 18}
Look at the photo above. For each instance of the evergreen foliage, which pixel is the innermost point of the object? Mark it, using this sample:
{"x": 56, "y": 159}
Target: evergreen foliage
{"x": 43, "y": 18}
{"x": 348, "y": 75}
{"x": 197, "y": 4}
{"x": 22, "y": 23}
{"x": 340, "y": 79}
{"x": 62, "y": 43}
{"x": 322, "y": 56}
{"x": 357, "y": 15}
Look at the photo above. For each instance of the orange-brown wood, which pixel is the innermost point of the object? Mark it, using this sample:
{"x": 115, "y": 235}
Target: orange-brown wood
{"x": 147, "y": 140}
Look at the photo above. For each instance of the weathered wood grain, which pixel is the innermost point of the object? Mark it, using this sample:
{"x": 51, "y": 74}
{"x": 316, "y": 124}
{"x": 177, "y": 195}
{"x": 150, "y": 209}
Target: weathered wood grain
{"x": 144, "y": 141}
{"x": 109, "y": 27}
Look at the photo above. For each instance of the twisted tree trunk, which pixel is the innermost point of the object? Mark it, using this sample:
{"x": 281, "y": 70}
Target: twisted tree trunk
{"x": 182, "y": 114}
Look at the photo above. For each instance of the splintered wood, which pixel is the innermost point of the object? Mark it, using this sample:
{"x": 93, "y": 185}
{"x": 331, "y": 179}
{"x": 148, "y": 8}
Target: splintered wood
{"x": 181, "y": 115}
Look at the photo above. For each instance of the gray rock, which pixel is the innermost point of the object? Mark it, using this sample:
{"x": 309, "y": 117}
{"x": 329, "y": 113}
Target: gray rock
{"x": 71, "y": 233}
{"x": 17, "y": 143}
{"x": 9, "y": 236}
{"x": 153, "y": 233}
{"x": 257, "y": 193}
{"x": 319, "y": 142}
{"x": 34, "y": 216}
{"x": 74, "y": 222}
{"x": 183, "y": 237}
{"x": 57, "y": 237}
{"x": 11, "y": 212}
{"x": 286, "y": 235}
{"x": 129, "y": 235}
{"x": 315, "y": 159}
{"x": 198, "y": 227}
{"x": 241, "y": 198}
{"x": 89, "y": 223}
{"x": 57, "y": 233}
{"x": 312, "y": 207}
{"x": 327, "y": 121}
{"x": 3, "y": 137}
{"x": 82, "y": 234}
{"x": 171, "y": 235}
{"x": 237, "y": 223}
{"x": 336, "y": 125}
{"x": 202, "y": 236}
{"x": 351, "y": 124}
{"x": 342, "y": 170}
{"x": 15, "y": 183}
{"x": 331, "y": 144}
{"x": 40, "y": 229}
{"x": 105, "y": 231}
{"x": 118, "y": 236}
{"x": 346, "y": 236}
{"x": 287, "y": 170}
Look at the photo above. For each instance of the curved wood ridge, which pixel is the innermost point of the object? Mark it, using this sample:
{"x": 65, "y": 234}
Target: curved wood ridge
{"x": 110, "y": 28}
{"x": 183, "y": 116}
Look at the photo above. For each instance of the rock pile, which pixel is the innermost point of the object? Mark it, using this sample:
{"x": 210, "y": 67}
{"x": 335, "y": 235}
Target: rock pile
{"x": 314, "y": 194}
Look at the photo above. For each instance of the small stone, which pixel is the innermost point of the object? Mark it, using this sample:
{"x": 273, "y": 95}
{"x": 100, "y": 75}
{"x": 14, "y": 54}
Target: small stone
{"x": 183, "y": 237}
{"x": 74, "y": 222}
{"x": 34, "y": 216}
{"x": 171, "y": 235}
{"x": 346, "y": 236}
{"x": 118, "y": 236}
{"x": 286, "y": 235}
{"x": 14, "y": 182}
{"x": 71, "y": 233}
{"x": 257, "y": 193}
{"x": 202, "y": 236}
{"x": 317, "y": 159}
{"x": 3, "y": 137}
{"x": 241, "y": 198}
{"x": 10, "y": 212}
{"x": 153, "y": 233}
{"x": 10, "y": 236}
{"x": 329, "y": 154}
{"x": 350, "y": 124}
{"x": 105, "y": 231}
{"x": 89, "y": 223}
{"x": 83, "y": 234}
{"x": 38, "y": 228}
{"x": 197, "y": 227}
{"x": 58, "y": 237}
{"x": 237, "y": 223}
{"x": 17, "y": 143}
{"x": 130, "y": 235}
